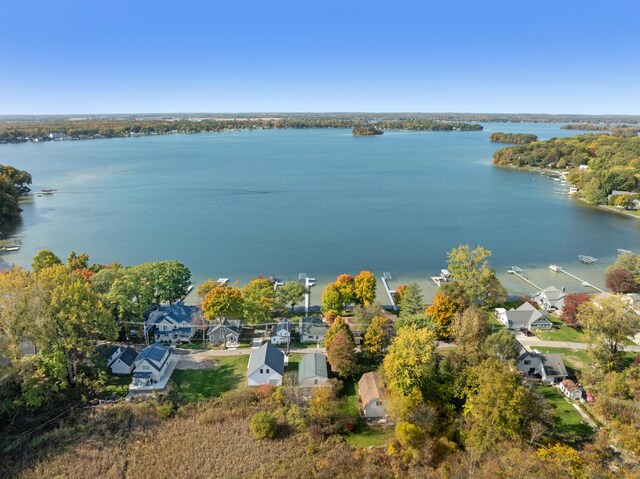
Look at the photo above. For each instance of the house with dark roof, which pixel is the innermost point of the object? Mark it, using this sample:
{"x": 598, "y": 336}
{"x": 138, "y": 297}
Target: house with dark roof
{"x": 151, "y": 364}
{"x": 312, "y": 370}
{"x": 372, "y": 396}
{"x": 121, "y": 360}
{"x": 550, "y": 367}
{"x": 525, "y": 316}
{"x": 550, "y": 299}
{"x": 266, "y": 366}
{"x": 281, "y": 334}
{"x": 171, "y": 323}
{"x": 229, "y": 331}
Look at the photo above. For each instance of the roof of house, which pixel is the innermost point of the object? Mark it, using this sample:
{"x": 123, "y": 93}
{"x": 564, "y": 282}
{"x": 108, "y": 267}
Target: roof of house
{"x": 314, "y": 329}
{"x": 231, "y": 329}
{"x": 128, "y": 355}
{"x": 370, "y": 388}
{"x": 553, "y": 296}
{"x": 569, "y": 385}
{"x": 525, "y": 315}
{"x": 312, "y": 365}
{"x": 154, "y": 355}
{"x": 283, "y": 326}
{"x": 553, "y": 365}
{"x": 178, "y": 312}
{"x": 266, "y": 355}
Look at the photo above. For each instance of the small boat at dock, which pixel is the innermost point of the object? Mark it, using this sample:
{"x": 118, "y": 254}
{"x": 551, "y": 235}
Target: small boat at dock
{"x": 587, "y": 259}
{"x": 622, "y": 252}
{"x": 555, "y": 267}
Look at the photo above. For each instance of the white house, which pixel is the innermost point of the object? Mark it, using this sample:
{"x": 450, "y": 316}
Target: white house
{"x": 313, "y": 332}
{"x": 551, "y": 299}
{"x": 122, "y": 360}
{"x": 550, "y": 367}
{"x": 151, "y": 364}
{"x": 372, "y": 398}
{"x": 266, "y": 366}
{"x": 526, "y": 316}
{"x": 571, "y": 389}
{"x": 171, "y": 323}
{"x": 281, "y": 334}
{"x": 312, "y": 370}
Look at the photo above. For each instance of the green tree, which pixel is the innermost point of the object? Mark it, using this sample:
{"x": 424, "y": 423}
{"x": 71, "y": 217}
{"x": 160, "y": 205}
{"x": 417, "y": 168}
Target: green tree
{"x": 471, "y": 271}
{"x": 207, "y": 286}
{"x": 44, "y": 259}
{"x": 78, "y": 261}
{"x": 412, "y": 301}
{"x": 495, "y": 407}
{"x": 291, "y": 293}
{"x": 331, "y": 300}
{"x": 470, "y": 328}
{"x": 409, "y": 359}
{"x": 338, "y": 324}
{"x": 378, "y": 337}
{"x": 221, "y": 302}
{"x": 365, "y": 287}
{"x": 362, "y": 315}
{"x": 259, "y": 300}
{"x": 608, "y": 323}
{"x": 264, "y": 425}
{"x": 501, "y": 345}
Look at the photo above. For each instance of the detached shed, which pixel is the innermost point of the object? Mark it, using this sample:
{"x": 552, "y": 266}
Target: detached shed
{"x": 372, "y": 396}
{"x": 312, "y": 371}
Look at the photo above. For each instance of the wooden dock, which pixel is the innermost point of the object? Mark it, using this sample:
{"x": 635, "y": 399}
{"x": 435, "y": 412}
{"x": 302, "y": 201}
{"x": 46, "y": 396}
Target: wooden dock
{"x": 519, "y": 272}
{"x": 583, "y": 282}
{"x": 390, "y": 293}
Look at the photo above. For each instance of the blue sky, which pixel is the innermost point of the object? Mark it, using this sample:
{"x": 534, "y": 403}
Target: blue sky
{"x": 275, "y": 56}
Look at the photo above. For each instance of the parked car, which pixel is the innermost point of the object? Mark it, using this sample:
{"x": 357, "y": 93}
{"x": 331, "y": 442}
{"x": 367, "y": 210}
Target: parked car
{"x": 526, "y": 332}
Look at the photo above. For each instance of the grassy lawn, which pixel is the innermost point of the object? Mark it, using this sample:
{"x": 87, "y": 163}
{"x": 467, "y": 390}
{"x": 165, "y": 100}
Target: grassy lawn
{"x": 294, "y": 362}
{"x": 569, "y": 426}
{"x": 198, "y": 384}
{"x": 117, "y": 385}
{"x": 576, "y": 360}
{"x": 561, "y": 332}
{"x": 299, "y": 345}
{"x": 364, "y": 435}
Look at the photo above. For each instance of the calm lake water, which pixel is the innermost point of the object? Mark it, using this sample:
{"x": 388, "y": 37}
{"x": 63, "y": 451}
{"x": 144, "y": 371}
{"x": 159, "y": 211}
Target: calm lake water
{"x": 241, "y": 204}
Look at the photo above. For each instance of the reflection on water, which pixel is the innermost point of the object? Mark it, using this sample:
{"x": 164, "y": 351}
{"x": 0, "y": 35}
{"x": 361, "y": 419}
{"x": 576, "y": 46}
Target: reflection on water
{"x": 240, "y": 204}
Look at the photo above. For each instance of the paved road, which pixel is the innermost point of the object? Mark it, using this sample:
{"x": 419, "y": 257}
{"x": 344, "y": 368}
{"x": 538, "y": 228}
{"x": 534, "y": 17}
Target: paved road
{"x": 533, "y": 341}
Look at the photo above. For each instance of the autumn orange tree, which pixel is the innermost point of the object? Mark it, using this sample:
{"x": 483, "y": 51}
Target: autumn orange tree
{"x": 340, "y": 348}
{"x": 442, "y": 311}
{"x": 222, "y": 301}
{"x": 346, "y": 287}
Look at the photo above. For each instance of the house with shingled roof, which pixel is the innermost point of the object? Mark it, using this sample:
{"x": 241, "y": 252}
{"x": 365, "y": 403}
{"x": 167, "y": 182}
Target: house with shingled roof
{"x": 571, "y": 389}
{"x": 312, "y": 370}
{"x": 121, "y": 360}
{"x": 372, "y": 396}
{"x": 550, "y": 367}
{"x": 151, "y": 364}
{"x": 525, "y": 316}
{"x": 266, "y": 366}
{"x": 550, "y": 299}
{"x": 171, "y": 323}
{"x": 281, "y": 334}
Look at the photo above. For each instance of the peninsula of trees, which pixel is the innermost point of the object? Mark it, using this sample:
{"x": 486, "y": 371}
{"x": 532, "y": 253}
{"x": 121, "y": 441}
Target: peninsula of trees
{"x": 609, "y": 163}
{"x": 13, "y": 185}
{"x": 617, "y": 129}
{"x": 366, "y": 130}
{"x": 516, "y": 138}
{"x": 55, "y": 130}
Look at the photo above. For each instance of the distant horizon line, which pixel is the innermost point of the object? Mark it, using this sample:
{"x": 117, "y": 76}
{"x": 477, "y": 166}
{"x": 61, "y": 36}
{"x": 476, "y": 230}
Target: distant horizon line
{"x": 276, "y": 114}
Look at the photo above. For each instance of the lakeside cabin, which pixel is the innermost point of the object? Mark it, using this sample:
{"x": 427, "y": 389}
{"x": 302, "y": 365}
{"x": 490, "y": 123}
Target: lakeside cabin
{"x": 266, "y": 366}
{"x": 525, "y": 316}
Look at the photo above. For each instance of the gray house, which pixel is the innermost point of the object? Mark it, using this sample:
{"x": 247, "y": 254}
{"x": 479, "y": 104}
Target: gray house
{"x": 550, "y": 367}
{"x": 312, "y": 371}
{"x": 551, "y": 299}
{"x": 229, "y": 330}
{"x": 372, "y": 398}
{"x": 266, "y": 366}
{"x": 526, "y": 316}
{"x": 171, "y": 323}
{"x": 313, "y": 332}
{"x": 281, "y": 334}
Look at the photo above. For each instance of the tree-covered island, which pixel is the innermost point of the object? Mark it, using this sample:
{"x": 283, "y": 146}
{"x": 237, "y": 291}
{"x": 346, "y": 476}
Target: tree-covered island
{"x": 366, "y": 130}
{"x": 515, "y": 138}
{"x": 87, "y": 129}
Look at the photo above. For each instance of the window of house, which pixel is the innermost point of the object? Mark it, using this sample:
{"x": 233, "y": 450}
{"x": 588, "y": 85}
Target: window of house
{"x": 378, "y": 403}
{"x": 527, "y": 362}
{"x": 261, "y": 371}
{"x": 315, "y": 381}
{"x": 268, "y": 371}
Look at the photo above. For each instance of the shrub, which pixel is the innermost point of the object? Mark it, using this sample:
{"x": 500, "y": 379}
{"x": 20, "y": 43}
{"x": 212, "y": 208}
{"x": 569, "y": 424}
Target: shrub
{"x": 164, "y": 409}
{"x": 264, "y": 425}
